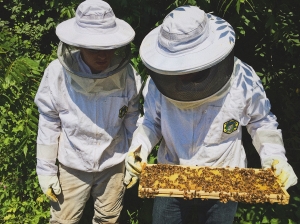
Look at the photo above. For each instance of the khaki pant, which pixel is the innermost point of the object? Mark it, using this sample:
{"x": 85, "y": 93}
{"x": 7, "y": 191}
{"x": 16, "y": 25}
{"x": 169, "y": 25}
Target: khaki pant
{"x": 106, "y": 188}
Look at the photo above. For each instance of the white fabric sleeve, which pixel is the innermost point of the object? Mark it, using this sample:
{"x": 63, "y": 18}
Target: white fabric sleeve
{"x": 148, "y": 132}
{"x": 262, "y": 127}
{"x": 132, "y": 115}
{"x": 46, "y": 158}
{"x": 48, "y": 129}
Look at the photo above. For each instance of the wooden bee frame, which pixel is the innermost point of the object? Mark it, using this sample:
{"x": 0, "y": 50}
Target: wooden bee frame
{"x": 246, "y": 185}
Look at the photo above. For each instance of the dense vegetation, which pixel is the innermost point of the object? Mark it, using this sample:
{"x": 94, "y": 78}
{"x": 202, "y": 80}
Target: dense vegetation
{"x": 267, "y": 39}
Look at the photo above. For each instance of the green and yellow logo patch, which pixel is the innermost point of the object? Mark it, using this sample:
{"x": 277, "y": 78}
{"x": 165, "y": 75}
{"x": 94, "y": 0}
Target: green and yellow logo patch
{"x": 123, "y": 111}
{"x": 230, "y": 126}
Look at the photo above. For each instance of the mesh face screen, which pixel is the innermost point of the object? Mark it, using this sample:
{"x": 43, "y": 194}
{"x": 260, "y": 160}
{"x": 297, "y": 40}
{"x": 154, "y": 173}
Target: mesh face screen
{"x": 66, "y": 55}
{"x": 195, "y": 86}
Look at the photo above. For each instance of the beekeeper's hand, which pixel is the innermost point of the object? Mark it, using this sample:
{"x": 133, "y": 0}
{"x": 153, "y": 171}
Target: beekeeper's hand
{"x": 50, "y": 186}
{"x": 135, "y": 160}
{"x": 282, "y": 170}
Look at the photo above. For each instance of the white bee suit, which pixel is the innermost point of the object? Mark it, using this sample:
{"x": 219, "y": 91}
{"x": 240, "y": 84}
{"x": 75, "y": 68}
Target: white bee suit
{"x": 83, "y": 122}
{"x": 210, "y": 133}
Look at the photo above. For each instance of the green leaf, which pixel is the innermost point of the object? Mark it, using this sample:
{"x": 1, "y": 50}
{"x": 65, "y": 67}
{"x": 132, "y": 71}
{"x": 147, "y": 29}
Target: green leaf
{"x": 25, "y": 149}
{"x": 238, "y": 5}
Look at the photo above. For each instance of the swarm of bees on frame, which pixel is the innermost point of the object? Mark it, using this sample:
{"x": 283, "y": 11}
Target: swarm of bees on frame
{"x": 236, "y": 184}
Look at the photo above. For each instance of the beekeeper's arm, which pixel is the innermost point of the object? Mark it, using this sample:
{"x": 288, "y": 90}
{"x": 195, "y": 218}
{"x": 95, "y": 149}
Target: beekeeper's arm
{"x": 134, "y": 84}
{"x": 267, "y": 138}
{"x": 47, "y": 139}
{"x": 145, "y": 137}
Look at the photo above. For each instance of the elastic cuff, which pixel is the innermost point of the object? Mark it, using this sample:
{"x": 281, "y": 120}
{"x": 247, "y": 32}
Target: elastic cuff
{"x": 46, "y": 167}
{"x": 263, "y": 136}
{"x": 145, "y": 137}
{"x": 46, "y": 152}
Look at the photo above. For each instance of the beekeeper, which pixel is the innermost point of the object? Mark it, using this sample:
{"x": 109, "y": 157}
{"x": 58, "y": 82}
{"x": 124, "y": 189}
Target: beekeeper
{"x": 88, "y": 102}
{"x": 197, "y": 99}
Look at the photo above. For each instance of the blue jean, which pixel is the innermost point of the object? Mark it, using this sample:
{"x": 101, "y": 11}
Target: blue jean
{"x": 168, "y": 210}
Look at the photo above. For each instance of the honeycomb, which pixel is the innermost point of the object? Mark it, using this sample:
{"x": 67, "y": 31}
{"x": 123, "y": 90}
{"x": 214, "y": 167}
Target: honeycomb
{"x": 236, "y": 184}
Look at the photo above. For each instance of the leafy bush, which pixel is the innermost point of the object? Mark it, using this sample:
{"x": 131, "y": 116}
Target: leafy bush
{"x": 20, "y": 196}
{"x": 24, "y": 26}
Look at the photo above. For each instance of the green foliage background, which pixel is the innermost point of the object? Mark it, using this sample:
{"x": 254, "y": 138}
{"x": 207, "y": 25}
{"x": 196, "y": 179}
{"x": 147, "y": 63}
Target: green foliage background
{"x": 267, "y": 39}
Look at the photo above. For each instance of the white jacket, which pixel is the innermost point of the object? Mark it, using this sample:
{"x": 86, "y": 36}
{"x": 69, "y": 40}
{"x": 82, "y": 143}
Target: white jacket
{"x": 210, "y": 134}
{"x": 88, "y": 131}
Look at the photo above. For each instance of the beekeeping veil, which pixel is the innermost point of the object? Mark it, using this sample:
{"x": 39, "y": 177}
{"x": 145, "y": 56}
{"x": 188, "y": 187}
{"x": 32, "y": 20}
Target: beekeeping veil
{"x": 190, "y": 56}
{"x": 94, "y": 27}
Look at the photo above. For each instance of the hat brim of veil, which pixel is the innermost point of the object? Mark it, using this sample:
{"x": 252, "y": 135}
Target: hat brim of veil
{"x": 70, "y": 33}
{"x": 214, "y": 49}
